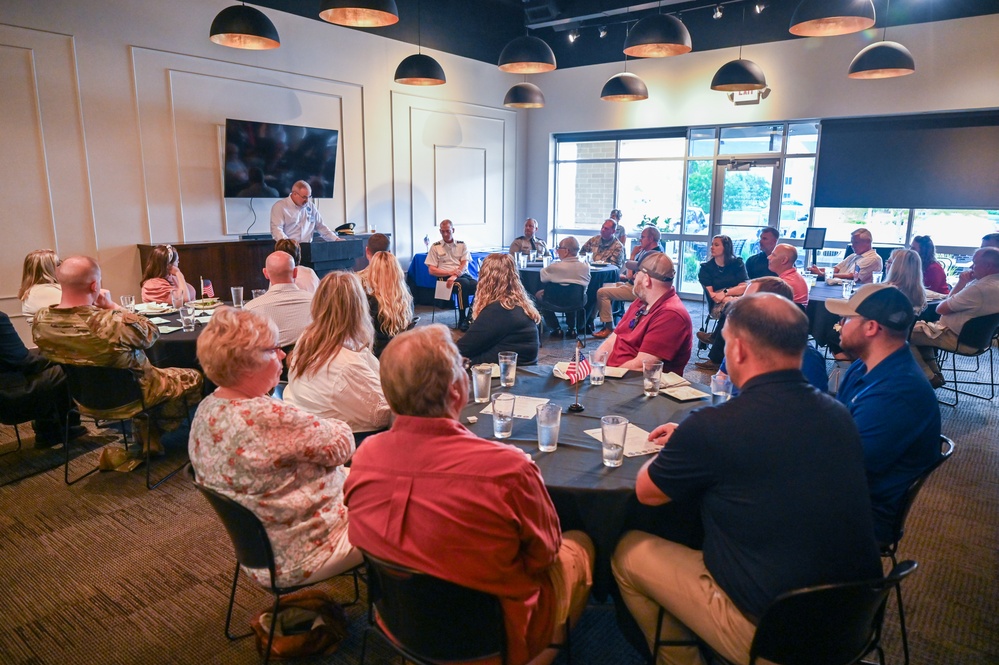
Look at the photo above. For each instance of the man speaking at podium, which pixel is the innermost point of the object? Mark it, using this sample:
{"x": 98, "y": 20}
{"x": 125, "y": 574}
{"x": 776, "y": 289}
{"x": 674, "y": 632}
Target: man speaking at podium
{"x": 297, "y": 217}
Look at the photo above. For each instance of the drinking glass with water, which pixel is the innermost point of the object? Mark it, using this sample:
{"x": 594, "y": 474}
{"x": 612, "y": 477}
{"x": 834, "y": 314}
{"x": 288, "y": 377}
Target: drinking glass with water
{"x": 482, "y": 376}
{"x": 508, "y": 368}
{"x": 721, "y": 388}
{"x": 549, "y": 421}
{"x": 503, "y": 415}
{"x": 652, "y": 372}
{"x": 598, "y": 367}
{"x": 613, "y": 432}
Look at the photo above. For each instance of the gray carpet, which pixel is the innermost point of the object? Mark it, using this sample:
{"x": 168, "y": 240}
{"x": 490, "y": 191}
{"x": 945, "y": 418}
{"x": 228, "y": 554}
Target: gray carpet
{"x": 108, "y": 572}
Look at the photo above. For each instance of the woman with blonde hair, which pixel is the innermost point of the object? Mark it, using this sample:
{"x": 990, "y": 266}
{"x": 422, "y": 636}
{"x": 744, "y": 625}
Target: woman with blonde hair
{"x": 305, "y": 278}
{"x": 162, "y": 280}
{"x": 332, "y": 372}
{"x": 39, "y": 287}
{"x": 905, "y": 272}
{"x": 389, "y": 299}
{"x": 504, "y": 318}
{"x": 283, "y": 464}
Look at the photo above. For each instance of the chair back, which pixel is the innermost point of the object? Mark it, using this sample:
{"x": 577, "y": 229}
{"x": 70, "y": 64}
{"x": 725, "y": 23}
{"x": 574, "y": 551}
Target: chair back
{"x": 100, "y": 389}
{"x": 977, "y": 334}
{"x": 898, "y": 529}
{"x": 831, "y": 624}
{"x": 564, "y": 297}
{"x": 246, "y": 531}
{"x": 431, "y": 619}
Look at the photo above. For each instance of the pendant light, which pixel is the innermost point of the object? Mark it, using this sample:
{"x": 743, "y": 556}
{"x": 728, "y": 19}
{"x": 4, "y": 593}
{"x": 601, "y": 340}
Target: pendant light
{"x": 244, "y": 27}
{"x": 419, "y": 69}
{"x": 625, "y": 87}
{"x": 739, "y": 74}
{"x": 524, "y": 96}
{"x": 883, "y": 59}
{"x": 360, "y": 13}
{"x": 826, "y": 18}
{"x": 658, "y": 36}
{"x": 527, "y": 55}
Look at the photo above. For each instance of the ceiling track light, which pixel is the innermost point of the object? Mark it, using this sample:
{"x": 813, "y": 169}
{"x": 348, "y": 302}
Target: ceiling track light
{"x": 244, "y": 27}
{"x": 759, "y": 7}
{"x": 718, "y": 13}
{"x": 360, "y": 13}
{"x": 573, "y": 36}
{"x": 827, "y": 18}
{"x": 602, "y": 31}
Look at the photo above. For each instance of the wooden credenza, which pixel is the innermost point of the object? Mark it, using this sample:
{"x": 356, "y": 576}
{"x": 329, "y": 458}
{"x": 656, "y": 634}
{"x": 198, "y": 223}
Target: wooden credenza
{"x": 240, "y": 263}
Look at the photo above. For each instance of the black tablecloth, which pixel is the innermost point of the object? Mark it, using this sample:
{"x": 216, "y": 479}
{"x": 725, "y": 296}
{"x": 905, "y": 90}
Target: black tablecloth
{"x": 587, "y": 495}
{"x": 178, "y": 348}
{"x": 821, "y": 320}
{"x": 531, "y": 278}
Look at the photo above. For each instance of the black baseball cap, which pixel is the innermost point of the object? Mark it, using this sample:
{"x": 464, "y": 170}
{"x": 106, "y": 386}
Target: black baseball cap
{"x": 878, "y": 302}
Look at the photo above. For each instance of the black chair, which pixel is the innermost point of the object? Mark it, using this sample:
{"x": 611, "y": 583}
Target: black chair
{"x": 253, "y": 550}
{"x": 829, "y": 624}
{"x": 898, "y": 530}
{"x": 12, "y": 419}
{"x": 428, "y": 620}
{"x": 455, "y": 301}
{"x": 566, "y": 299}
{"x": 976, "y": 339}
{"x": 98, "y": 391}
{"x": 23, "y": 406}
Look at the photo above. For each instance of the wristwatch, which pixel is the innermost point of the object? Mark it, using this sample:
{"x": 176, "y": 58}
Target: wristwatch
{"x": 725, "y": 291}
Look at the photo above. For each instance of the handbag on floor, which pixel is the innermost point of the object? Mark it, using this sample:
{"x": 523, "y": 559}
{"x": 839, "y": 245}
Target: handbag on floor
{"x": 309, "y": 622}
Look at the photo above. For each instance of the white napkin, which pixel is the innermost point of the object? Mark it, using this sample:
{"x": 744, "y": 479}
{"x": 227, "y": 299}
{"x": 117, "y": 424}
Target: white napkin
{"x": 166, "y": 330}
{"x": 833, "y": 281}
{"x": 636, "y": 441}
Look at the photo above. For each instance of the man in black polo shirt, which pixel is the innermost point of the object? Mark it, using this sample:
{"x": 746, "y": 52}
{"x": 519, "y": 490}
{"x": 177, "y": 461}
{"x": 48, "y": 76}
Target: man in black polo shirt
{"x": 778, "y": 475}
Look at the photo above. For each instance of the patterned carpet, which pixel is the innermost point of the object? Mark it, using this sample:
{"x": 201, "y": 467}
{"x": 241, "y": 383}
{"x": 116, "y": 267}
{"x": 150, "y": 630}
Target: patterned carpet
{"x": 108, "y": 572}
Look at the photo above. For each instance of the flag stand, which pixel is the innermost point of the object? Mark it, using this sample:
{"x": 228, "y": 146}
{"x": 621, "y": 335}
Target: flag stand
{"x": 576, "y": 407}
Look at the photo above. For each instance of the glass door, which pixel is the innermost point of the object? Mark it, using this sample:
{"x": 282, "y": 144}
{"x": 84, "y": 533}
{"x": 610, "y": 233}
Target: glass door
{"x": 746, "y": 200}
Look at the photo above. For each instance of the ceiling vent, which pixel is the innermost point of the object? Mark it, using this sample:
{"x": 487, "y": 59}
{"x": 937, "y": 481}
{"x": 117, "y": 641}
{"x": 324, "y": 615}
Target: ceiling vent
{"x": 540, "y": 10}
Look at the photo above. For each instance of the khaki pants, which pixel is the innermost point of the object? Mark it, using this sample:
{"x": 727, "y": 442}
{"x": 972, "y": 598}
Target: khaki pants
{"x": 922, "y": 348}
{"x": 653, "y": 572}
{"x": 607, "y": 294}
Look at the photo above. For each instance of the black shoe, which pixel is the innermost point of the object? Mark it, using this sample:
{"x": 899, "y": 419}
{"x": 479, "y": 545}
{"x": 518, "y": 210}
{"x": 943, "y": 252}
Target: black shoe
{"x": 49, "y": 439}
{"x": 937, "y": 381}
{"x": 570, "y": 333}
{"x": 463, "y": 325}
{"x": 557, "y": 334}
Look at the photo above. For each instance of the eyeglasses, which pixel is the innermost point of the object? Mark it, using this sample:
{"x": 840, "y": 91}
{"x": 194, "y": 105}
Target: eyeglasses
{"x": 639, "y": 314}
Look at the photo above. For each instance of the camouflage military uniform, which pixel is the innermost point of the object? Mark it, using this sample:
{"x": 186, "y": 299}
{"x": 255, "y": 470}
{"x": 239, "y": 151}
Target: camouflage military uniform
{"x": 93, "y": 336}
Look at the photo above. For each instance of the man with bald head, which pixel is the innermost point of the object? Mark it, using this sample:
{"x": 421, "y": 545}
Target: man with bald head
{"x": 87, "y": 328}
{"x": 288, "y": 306}
{"x": 781, "y": 509}
{"x": 430, "y": 495}
{"x": 781, "y": 263}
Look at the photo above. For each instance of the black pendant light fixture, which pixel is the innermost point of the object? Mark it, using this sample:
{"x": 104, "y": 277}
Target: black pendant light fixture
{"x": 658, "y": 36}
{"x": 360, "y": 13}
{"x": 739, "y": 74}
{"x": 527, "y": 55}
{"x": 625, "y": 87}
{"x": 244, "y": 27}
{"x": 419, "y": 69}
{"x": 883, "y": 59}
{"x": 524, "y": 96}
{"x": 827, "y": 18}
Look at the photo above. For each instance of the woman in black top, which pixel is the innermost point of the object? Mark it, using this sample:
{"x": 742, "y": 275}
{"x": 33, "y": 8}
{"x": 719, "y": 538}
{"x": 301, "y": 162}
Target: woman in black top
{"x": 389, "y": 299}
{"x": 504, "y": 318}
{"x": 722, "y": 270}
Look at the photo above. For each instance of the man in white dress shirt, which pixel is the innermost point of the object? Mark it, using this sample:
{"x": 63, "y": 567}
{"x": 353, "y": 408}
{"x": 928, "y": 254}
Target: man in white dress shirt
{"x": 284, "y": 303}
{"x": 297, "y": 216}
{"x": 862, "y": 264}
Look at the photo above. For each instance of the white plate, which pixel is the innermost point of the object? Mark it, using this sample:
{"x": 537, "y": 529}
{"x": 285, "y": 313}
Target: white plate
{"x": 154, "y": 308}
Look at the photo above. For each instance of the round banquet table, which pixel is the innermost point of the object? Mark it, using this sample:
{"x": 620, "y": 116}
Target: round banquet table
{"x": 587, "y": 495}
{"x": 821, "y": 320}
{"x": 599, "y": 275}
{"x": 177, "y": 348}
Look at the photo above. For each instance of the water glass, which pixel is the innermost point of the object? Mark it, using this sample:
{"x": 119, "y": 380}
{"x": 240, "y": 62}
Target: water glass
{"x": 503, "y": 415}
{"x": 598, "y": 365}
{"x": 652, "y": 373}
{"x": 613, "y": 432}
{"x": 721, "y": 388}
{"x": 258, "y": 292}
{"x": 481, "y": 382}
{"x": 176, "y": 300}
{"x": 549, "y": 420}
{"x": 187, "y": 317}
{"x": 508, "y": 368}
{"x": 878, "y": 277}
{"x": 847, "y": 289}
{"x": 237, "y": 297}
{"x": 128, "y": 302}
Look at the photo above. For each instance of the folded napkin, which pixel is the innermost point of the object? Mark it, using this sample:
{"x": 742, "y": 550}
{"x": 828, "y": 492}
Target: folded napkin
{"x": 166, "y": 330}
{"x": 613, "y": 372}
{"x": 672, "y": 380}
{"x": 833, "y": 281}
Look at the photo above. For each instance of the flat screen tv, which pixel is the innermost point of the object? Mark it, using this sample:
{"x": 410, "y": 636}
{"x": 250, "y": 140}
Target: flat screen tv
{"x": 264, "y": 160}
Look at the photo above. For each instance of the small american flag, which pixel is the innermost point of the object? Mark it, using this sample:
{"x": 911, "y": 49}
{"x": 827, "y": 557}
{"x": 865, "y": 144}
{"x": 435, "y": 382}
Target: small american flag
{"x": 206, "y": 288}
{"x": 578, "y": 369}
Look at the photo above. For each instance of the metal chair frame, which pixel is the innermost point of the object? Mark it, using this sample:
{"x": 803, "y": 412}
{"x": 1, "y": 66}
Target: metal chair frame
{"x": 889, "y": 550}
{"x": 252, "y": 547}
{"x": 980, "y": 334}
{"x": 455, "y": 299}
{"x": 119, "y": 387}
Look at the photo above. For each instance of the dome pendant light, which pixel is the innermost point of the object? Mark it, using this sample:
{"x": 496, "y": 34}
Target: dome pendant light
{"x": 360, "y": 13}
{"x": 658, "y": 36}
{"x": 527, "y": 55}
{"x": 624, "y": 87}
{"x": 419, "y": 69}
{"x": 739, "y": 74}
{"x": 883, "y": 59}
{"x": 244, "y": 27}
{"x": 827, "y": 18}
{"x": 524, "y": 96}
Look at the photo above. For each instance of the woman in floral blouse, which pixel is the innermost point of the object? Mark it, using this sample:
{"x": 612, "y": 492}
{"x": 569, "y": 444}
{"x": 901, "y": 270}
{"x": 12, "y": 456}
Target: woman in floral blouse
{"x": 280, "y": 462}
